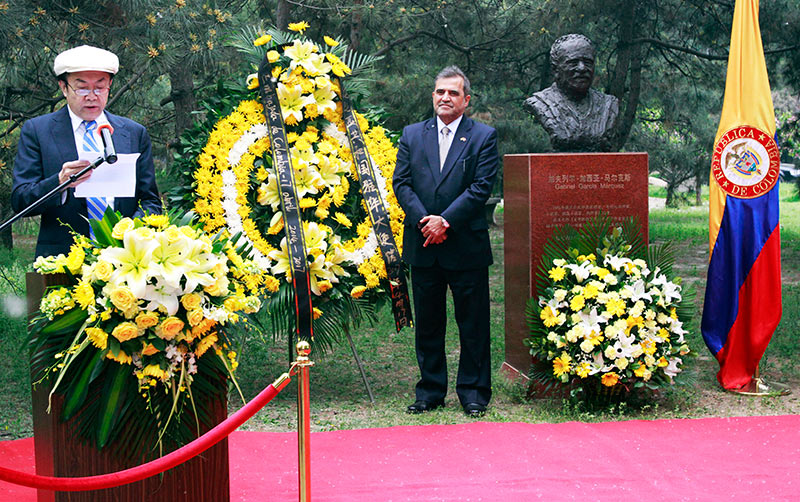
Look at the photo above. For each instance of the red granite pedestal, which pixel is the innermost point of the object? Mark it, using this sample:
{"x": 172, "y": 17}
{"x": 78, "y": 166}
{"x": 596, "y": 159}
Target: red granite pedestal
{"x": 545, "y": 191}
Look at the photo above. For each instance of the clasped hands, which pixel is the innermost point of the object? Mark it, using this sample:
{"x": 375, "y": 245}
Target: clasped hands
{"x": 434, "y": 229}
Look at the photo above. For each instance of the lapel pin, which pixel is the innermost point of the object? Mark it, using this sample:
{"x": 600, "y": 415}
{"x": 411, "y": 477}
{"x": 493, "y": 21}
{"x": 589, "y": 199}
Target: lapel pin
{"x": 463, "y": 138}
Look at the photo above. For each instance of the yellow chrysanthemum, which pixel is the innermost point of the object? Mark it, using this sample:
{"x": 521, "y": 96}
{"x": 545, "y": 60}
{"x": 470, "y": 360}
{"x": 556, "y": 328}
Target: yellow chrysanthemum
{"x": 155, "y": 371}
{"x": 342, "y": 219}
{"x": 615, "y": 307}
{"x": 156, "y": 220}
{"x": 549, "y": 317}
{"x": 205, "y": 344}
{"x": 577, "y": 303}
{"x": 83, "y": 294}
{"x": 562, "y": 364}
{"x": 610, "y": 379}
{"x": 75, "y": 258}
{"x": 98, "y": 337}
{"x": 298, "y": 27}
{"x": 262, "y": 40}
{"x": 121, "y": 358}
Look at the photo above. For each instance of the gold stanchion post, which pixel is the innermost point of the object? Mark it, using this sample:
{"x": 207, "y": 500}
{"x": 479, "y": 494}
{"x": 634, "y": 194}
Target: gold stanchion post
{"x": 302, "y": 366}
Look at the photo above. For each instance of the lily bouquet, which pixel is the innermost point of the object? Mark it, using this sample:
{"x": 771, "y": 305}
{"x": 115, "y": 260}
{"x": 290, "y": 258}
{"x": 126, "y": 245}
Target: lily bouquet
{"x": 607, "y": 318}
{"x": 138, "y": 339}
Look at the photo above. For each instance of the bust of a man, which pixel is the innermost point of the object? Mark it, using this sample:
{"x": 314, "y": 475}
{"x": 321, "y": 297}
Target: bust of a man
{"x": 577, "y": 117}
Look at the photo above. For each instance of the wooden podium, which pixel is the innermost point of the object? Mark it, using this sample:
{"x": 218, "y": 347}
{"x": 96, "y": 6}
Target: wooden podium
{"x": 545, "y": 191}
{"x": 204, "y": 478}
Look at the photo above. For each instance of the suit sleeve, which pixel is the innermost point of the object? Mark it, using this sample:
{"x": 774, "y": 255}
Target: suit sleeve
{"x": 403, "y": 183}
{"x": 29, "y": 180}
{"x": 147, "y": 195}
{"x": 471, "y": 201}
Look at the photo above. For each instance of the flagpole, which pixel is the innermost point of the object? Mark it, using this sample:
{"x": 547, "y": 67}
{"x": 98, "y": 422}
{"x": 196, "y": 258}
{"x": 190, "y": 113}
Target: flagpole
{"x": 758, "y": 387}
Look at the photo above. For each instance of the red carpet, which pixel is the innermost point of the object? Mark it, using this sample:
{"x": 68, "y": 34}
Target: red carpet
{"x": 749, "y": 458}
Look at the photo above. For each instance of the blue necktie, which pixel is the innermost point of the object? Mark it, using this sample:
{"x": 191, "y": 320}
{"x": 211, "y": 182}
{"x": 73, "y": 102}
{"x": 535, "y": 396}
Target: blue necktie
{"x": 95, "y": 206}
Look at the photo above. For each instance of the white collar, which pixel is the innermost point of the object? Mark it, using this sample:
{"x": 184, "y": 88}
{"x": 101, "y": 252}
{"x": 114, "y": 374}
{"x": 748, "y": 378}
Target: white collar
{"x": 453, "y": 126}
{"x": 77, "y": 121}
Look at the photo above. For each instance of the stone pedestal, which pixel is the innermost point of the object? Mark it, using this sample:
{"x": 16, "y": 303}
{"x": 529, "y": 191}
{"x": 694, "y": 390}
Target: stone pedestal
{"x": 60, "y": 453}
{"x": 545, "y": 191}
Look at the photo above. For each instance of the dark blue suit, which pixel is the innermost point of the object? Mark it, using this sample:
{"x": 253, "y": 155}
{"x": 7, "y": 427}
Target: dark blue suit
{"x": 458, "y": 193}
{"x": 45, "y": 144}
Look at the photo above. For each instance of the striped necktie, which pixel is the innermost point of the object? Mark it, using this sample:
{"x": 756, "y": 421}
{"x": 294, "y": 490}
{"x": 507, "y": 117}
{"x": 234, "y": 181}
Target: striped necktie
{"x": 95, "y": 206}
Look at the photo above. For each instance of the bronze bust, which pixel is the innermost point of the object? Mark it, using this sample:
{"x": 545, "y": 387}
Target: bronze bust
{"x": 576, "y": 117}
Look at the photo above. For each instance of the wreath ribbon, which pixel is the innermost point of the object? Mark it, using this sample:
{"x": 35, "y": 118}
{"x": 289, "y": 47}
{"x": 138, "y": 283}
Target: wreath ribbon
{"x": 282, "y": 161}
{"x": 401, "y": 305}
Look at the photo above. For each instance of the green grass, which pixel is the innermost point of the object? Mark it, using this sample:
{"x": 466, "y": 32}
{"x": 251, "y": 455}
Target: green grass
{"x": 339, "y": 398}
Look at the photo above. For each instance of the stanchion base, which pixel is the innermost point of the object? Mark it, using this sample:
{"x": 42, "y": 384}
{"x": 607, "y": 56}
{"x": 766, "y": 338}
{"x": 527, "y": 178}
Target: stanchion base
{"x": 758, "y": 387}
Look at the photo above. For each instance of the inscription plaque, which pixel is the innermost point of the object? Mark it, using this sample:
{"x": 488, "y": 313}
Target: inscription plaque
{"x": 545, "y": 191}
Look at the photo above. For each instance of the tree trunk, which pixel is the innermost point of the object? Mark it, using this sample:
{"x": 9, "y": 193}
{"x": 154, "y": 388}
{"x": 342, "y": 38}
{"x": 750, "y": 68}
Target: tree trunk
{"x": 183, "y": 97}
{"x": 628, "y": 70}
{"x": 282, "y": 12}
{"x": 356, "y": 25}
{"x": 670, "y": 196}
{"x": 7, "y": 238}
{"x": 698, "y": 188}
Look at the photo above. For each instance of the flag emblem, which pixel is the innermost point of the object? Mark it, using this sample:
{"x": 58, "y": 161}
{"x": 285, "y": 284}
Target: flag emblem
{"x": 746, "y": 162}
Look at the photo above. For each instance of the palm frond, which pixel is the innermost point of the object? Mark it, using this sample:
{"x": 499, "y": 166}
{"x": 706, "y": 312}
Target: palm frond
{"x": 661, "y": 256}
{"x": 590, "y": 236}
{"x": 556, "y": 247}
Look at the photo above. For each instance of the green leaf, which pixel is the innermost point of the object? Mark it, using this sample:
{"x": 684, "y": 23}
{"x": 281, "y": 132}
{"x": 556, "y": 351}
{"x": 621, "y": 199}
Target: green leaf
{"x": 76, "y": 395}
{"x": 110, "y": 402}
{"x": 68, "y": 322}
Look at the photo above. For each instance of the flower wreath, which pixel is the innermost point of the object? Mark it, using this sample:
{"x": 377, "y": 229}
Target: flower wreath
{"x": 235, "y": 188}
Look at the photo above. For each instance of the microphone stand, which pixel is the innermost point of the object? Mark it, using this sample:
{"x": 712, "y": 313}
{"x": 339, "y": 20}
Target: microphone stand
{"x": 60, "y": 188}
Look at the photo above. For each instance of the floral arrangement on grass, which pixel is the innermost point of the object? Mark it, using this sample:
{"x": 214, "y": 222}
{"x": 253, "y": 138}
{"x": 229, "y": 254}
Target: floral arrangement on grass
{"x": 609, "y": 316}
{"x": 139, "y": 336}
{"x": 233, "y": 187}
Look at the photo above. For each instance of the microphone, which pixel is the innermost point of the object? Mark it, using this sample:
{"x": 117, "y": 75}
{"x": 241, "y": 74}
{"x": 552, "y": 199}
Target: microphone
{"x": 105, "y": 132}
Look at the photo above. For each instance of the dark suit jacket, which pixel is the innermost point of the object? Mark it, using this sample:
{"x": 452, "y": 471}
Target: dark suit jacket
{"x": 458, "y": 193}
{"x": 47, "y": 142}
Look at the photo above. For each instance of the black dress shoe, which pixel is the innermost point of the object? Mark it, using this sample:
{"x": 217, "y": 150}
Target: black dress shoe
{"x": 474, "y": 410}
{"x": 420, "y": 406}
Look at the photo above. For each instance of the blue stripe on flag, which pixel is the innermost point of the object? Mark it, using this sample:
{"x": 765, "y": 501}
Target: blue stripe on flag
{"x": 746, "y": 225}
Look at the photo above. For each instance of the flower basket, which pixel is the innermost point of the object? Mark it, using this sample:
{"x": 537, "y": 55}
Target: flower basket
{"x": 136, "y": 344}
{"x": 611, "y": 316}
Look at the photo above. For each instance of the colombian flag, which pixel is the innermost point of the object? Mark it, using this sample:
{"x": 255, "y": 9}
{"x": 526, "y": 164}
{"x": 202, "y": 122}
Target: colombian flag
{"x": 743, "y": 295}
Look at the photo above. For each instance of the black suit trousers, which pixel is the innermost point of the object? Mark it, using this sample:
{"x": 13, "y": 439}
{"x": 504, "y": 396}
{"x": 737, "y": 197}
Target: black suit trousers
{"x": 470, "y": 289}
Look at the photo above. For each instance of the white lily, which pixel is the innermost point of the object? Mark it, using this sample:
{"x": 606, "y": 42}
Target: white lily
{"x": 582, "y": 271}
{"x": 616, "y": 262}
{"x": 133, "y": 262}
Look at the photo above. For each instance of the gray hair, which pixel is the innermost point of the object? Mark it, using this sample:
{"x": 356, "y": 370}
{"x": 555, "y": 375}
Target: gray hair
{"x": 455, "y": 71}
{"x": 557, "y": 49}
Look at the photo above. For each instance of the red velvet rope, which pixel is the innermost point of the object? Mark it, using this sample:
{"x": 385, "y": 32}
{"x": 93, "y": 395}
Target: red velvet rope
{"x": 157, "y": 466}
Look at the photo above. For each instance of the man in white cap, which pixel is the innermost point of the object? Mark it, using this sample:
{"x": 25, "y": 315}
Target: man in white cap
{"x": 49, "y": 146}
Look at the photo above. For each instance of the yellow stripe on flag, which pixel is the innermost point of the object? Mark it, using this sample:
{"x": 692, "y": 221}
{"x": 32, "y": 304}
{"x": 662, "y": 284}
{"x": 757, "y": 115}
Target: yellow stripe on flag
{"x": 747, "y": 95}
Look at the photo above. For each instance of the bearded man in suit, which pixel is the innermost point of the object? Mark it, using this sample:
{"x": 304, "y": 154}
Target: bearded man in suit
{"x": 445, "y": 171}
{"x": 47, "y": 153}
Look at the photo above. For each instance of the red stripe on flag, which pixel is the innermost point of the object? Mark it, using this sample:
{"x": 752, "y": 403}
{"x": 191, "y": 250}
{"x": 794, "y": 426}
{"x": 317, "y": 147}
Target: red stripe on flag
{"x": 759, "y": 314}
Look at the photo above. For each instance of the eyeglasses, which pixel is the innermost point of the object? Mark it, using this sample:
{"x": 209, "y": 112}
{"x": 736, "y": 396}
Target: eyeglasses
{"x": 98, "y": 91}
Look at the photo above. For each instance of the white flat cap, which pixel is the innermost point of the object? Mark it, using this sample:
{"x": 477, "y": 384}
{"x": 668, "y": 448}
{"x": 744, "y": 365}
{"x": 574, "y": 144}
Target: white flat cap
{"x": 86, "y": 58}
